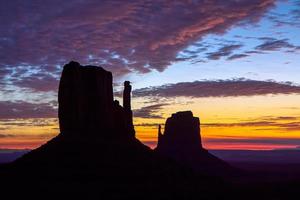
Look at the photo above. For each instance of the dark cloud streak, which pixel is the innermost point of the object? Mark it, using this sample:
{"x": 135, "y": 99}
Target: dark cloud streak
{"x": 149, "y": 111}
{"x": 270, "y": 125}
{"x": 218, "y": 88}
{"x": 224, "y": 51}
{"x": 273, "y": 45}
{"x": 261, "y": 141}
{"x": 237, "y": 56}
{"x": 21, "y": 109}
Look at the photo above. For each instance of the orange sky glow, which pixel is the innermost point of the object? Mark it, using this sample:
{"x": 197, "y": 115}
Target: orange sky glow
{"x": 255, "y": 123}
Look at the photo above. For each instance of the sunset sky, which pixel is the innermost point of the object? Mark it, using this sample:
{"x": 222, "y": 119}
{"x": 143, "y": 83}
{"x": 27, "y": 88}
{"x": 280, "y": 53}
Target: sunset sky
{"x": 234, "y": 63}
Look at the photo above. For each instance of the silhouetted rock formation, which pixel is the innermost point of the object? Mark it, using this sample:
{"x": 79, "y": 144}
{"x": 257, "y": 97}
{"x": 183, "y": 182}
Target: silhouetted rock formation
{"x": 182, "y": 141}
{"x": 127, "y": 108}
{"x": 96, "y": 155}
{"x": 85, "y": 100}
{"x": 126, "y": 96}
{"x": 86, "y": 106}
{"x": 182, "y": 131}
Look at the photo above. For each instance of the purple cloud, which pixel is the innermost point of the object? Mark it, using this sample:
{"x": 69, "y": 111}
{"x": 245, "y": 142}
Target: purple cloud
{"x": 274, "y": 44}
{"x": 21, "y": 109}
{"x": 38, "y": 82}
{"x": 251, "y": 141}
{"x": 223, "y": 51}
{"x": 123, "y": 36}
{"x": 272, "y": 125}
{"x": 218, "y": 88}
{"x": 237, "y": 56}
{"x": 149, "y": 111}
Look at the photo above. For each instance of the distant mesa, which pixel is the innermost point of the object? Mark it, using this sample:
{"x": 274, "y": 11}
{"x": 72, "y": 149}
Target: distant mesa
{"x": 182, "y": 141}
{"x": 182, "y": 133}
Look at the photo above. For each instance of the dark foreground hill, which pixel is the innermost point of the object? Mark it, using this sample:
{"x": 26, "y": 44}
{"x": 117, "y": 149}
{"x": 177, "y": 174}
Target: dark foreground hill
{"x": 96, "y": 155}
{"x": 103, "y": 169}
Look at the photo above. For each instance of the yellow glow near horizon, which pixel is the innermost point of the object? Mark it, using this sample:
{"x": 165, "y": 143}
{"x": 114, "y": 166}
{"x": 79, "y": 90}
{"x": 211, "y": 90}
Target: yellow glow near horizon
{"x": 226, "y": 123}
{"x": 233, "y": 113}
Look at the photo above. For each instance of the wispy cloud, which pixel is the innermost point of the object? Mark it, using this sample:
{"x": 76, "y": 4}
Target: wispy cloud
{"x": 224, "y": 51}
{"x": 291, "y": 18}
{"x": 237, "y": 56}
{"x": 22, "y": 122}
{"x": 255, "y": 141}
{"x": 268, "y": 125}
{"x": 218, "y": 88}
{"x": 274, "y": 44}
{"x": 21, "y": 109}
{"x": 149, "y": 111}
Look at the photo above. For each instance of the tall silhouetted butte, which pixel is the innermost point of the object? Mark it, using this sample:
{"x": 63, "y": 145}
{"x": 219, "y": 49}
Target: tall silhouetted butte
{"x": 86, "y": 105}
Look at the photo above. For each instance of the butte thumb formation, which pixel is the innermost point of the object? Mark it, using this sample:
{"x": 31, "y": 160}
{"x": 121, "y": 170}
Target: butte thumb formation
{"x": 182, "y": 141}
{"x": 97, "y": 155}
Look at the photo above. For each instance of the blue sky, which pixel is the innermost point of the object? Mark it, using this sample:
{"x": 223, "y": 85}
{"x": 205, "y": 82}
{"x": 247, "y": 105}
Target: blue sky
{"x": 277, "y": 64}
